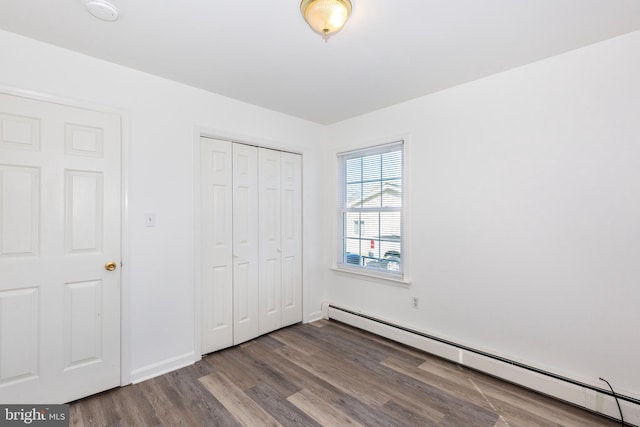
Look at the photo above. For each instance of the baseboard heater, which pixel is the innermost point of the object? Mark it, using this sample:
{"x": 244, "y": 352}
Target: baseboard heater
{"x": 578, "y": 393}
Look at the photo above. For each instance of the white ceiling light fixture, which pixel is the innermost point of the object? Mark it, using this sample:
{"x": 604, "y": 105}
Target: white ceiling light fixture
{"x": 102, "y": 9}
{"x": 326, "y": 17}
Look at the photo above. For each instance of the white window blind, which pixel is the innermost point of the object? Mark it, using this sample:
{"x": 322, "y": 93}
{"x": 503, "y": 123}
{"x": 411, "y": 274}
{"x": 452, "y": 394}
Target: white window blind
{"x": 370, "y": 208}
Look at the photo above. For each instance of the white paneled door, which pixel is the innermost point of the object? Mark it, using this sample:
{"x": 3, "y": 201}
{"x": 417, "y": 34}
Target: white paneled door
{"x": 291, "y": 238}
{"x": 270, "y": 242}
{"x": 216, "y": 220}
{"x": 59, "y": 251}
{"x": 280, "y": 239}
{"x": 245, "y": 243}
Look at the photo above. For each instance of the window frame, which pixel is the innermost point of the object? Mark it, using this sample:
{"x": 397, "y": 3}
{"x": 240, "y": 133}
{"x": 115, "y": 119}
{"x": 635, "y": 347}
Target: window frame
{"x": 342, "y": 209}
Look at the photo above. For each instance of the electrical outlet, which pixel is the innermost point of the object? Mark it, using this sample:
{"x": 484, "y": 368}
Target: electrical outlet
{"x": 414, "y": 302}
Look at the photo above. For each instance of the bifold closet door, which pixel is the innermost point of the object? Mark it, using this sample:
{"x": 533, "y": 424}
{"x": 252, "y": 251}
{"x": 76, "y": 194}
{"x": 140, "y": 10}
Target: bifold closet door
{"x": 246, "y": 322}
{"x": 229, "y": 199}
{"x": 291, "y": 237}
{"x": 280, "y": 239}
{"x": 216, "y": 243}
{"x": 251, "y": 265}
{"x": 270, "y": 241}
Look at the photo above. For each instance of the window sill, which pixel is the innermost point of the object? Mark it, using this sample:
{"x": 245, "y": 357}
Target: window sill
{"x": 380, "y": 277}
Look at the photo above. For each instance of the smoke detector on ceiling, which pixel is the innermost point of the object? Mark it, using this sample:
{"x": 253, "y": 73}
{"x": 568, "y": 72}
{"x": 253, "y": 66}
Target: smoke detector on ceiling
{"x": 102, "y": 9}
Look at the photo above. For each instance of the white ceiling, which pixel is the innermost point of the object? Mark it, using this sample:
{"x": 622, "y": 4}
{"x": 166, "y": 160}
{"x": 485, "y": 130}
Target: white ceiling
{"x": 263, "y": 53}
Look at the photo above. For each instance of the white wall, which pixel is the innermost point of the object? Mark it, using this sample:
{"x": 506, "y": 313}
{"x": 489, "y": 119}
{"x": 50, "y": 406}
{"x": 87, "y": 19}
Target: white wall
{"x": 524, "y": 210}
{"x": 163, "y": 118}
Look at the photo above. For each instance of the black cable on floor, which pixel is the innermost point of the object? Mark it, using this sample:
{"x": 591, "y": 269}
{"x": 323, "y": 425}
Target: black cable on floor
{"x": 615, "y": 397}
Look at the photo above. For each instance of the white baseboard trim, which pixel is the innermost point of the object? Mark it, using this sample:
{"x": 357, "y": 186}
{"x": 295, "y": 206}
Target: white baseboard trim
{"x": 163, "y": 367}
{"x": 566, "y": 390}
{"x": 313, "y": 317}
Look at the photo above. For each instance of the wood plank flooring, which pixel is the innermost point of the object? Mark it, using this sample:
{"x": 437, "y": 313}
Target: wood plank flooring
{"x": 325, "y": 374}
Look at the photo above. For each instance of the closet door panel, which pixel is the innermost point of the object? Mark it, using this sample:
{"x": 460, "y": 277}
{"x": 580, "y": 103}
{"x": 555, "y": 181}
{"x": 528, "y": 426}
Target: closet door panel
{"x": 270, "y": 238}
{"x": 216, "y": 244}
{"x": 245, "y": 243}
{"x": 291, "y": 237}
{"x": 251, "y": 242}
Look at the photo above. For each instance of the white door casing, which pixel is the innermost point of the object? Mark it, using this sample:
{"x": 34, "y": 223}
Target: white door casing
{"x": 216, "y": 244}
{"x": 60, "y": 209}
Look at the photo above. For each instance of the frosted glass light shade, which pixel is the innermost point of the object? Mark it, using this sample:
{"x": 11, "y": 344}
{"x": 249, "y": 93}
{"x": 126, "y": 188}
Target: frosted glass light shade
{"x": 326, "y": 16}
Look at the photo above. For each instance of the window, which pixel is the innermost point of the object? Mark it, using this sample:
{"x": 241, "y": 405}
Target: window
{"x": 370, "y": 209}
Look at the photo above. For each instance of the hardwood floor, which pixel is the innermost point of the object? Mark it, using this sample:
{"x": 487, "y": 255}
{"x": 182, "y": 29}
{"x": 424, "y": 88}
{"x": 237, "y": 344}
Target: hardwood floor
{"x": 325, "y": 373}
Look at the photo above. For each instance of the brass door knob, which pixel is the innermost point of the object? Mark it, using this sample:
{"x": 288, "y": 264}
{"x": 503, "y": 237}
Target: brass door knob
{"x": 110, "y": 266}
